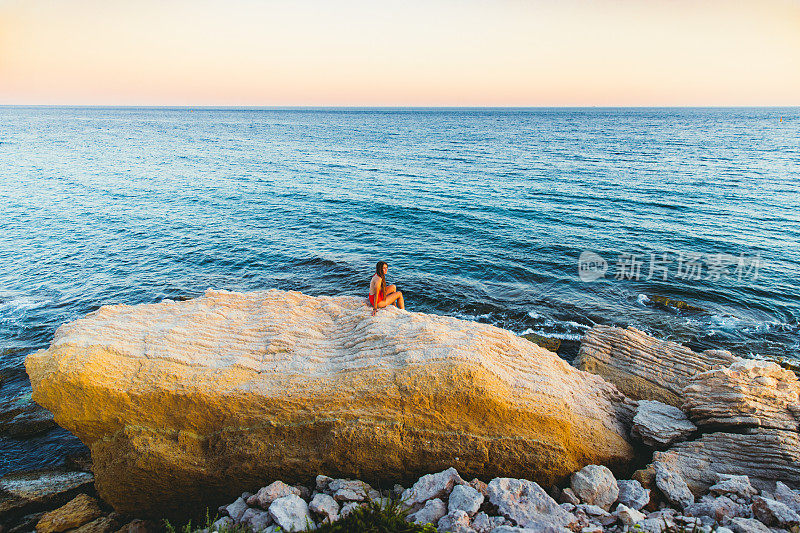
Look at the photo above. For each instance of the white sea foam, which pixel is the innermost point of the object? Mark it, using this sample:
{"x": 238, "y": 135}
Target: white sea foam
{"x": 552, "y": 334}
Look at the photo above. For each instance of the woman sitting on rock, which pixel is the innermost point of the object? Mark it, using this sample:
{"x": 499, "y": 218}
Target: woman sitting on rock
{"x": 379, "y": 294}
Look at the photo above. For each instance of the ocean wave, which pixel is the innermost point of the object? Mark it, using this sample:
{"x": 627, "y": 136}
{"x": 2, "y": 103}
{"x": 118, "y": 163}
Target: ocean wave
{"x": 552, "y": 334}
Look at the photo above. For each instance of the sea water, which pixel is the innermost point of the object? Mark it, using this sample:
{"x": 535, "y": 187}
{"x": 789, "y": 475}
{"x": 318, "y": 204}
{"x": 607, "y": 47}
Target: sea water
{"x": 542, "y": 221}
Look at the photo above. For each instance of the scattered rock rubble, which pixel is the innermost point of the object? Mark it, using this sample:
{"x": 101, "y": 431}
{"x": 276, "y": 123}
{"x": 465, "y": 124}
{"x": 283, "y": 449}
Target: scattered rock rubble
{"x": 594, "y": 502}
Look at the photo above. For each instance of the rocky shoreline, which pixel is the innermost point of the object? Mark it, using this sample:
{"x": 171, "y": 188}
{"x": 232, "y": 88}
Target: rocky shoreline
{"x": 203, "y": 400}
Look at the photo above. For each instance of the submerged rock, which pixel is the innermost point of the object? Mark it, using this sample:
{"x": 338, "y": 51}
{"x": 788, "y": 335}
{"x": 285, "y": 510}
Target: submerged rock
{"x": 190, "y": 403}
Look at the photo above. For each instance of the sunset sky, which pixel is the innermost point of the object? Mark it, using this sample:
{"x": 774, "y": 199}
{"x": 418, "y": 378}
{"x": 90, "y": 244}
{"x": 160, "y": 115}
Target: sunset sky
{"x": 433, "y": 52}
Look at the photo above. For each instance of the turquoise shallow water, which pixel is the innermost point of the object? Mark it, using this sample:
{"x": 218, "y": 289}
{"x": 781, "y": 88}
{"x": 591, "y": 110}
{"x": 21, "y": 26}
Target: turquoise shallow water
{"x": 481, "y": 214}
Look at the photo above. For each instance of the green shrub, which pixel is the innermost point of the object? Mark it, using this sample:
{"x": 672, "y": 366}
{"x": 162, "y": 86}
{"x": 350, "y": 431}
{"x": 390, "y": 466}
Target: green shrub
{"x": 375, "y": 518}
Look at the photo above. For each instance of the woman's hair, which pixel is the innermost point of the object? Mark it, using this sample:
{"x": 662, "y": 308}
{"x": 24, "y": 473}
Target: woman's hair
{"x": 379, "y": 272}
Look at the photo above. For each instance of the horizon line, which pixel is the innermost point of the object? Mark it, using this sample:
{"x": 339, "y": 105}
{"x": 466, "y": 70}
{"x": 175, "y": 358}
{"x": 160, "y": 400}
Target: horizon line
{"x": 277, "y": 107}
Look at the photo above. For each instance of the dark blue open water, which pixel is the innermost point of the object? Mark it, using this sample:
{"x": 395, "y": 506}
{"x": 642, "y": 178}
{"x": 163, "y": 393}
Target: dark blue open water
{"x": 480, "y": 213}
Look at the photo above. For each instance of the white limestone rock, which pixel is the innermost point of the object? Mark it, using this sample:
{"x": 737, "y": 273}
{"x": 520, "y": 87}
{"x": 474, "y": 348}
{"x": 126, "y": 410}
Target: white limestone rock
{"x": 455, "y": 522}
{"x": 223, "y": 523}
{"x": 658, "y": 425}
{"x": 322, "y": 482}
{"x": 595, "y": 484}
{"x": 764, "y": 455}
{"x": 236, "y": 509}
{"x": 748, "y": 393}
{"x": 596, "y": 513}
{"x": 747, "y": 525}
{"x": 348, "y": 508}
{"x": 325, "y": 506}
{"x": 526, "y": 503}
{"x": 629, "y": 516}
{"x": 632, "y": 494}
{"x": 787, "y": 496}
{"x": 720, "y": 508}
{"x": 774, "y": 513}
{"x": 568, "y": 496}
{"x": 266, "y": 495}
{"x": 481, "y": 523}
{"x": 348, "y": 490}
{"x": 291, "y": 513}
{"x": 732, "y": 484}
{"x": 430, "y": 486}
{"x": 257, "y": 519}
{"x": 672, "y": 485}
{"x": 465, "y": 498}
{"x": 189, "y": 397}
{"x": 431, "y": 512}
{"x": 641, "y": 366}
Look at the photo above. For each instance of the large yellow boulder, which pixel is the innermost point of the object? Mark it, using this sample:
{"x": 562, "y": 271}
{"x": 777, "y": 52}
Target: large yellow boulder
{"x": 186, "y": 404}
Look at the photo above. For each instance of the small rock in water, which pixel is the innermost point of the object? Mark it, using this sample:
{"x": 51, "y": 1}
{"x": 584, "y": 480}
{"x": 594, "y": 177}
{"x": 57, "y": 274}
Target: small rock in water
{"x": 673, "y": 486}
{"x": 291, "y": 513}
{"x": 632, "y": 494}
{"x": 433, "y": 510}
{"x": 466, "y": 498}
{"x": 596, "y": 485}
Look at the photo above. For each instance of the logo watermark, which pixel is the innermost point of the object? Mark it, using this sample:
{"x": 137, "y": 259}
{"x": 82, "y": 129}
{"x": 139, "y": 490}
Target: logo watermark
{"x": 689, "y": 266}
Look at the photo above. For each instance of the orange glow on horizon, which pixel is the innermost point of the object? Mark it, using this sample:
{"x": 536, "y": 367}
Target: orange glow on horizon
{"x": 441, "y": 52}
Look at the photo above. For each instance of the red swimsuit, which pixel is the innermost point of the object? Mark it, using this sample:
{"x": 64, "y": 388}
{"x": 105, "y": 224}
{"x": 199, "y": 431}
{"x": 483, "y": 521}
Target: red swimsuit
{"x": 372, "y": 299}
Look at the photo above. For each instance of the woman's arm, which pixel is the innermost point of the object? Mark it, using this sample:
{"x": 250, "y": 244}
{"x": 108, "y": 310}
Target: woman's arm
{"x": 377, "y": 294}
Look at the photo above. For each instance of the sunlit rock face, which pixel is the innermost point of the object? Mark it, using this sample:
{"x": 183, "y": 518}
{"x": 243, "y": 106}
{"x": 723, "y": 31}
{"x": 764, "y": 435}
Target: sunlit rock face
{"x": 189, "y": 403}
{"x": 643, "y": 367}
